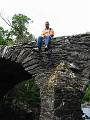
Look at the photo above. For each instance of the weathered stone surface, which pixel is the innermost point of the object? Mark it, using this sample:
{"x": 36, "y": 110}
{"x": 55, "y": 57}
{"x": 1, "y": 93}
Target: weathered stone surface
{"x": 61, "y": 94}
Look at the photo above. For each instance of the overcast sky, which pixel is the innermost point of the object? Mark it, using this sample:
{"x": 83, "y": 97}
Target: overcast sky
{"x": 66, "y": 17}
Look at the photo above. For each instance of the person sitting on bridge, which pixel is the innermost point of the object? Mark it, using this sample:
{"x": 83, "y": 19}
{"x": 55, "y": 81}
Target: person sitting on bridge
{"x": 47, "y": 35}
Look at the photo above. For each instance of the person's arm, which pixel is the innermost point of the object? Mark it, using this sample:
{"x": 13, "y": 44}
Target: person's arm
{"x": 43, "y": 33}
{"x": 51, "y": 32}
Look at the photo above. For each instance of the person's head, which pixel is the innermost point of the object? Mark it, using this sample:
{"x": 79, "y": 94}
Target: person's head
{"x": 47, "y": 24}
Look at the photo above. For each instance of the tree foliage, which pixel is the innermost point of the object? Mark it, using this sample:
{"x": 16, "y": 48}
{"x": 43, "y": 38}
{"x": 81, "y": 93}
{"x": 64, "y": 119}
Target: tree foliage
{"x": 26, "y": 93}
{"x": 19, "y": 29}
{"x": 5, "y": 36}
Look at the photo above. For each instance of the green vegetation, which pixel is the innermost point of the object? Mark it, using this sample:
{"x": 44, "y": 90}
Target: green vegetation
{"x": 3, "y": 36}
{"x": 25, "y": 93}
{"x": 28, "y": 93}
{"x": 18, "y": 31}
{"x": 87, "y": 95}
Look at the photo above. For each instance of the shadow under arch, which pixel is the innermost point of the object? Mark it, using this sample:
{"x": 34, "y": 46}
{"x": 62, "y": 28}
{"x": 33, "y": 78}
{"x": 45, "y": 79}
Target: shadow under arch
{"x": 11, "y": 73}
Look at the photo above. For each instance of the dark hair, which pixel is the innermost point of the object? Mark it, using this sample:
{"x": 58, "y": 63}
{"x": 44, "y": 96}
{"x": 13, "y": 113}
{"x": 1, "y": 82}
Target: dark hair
{"x": 47, "y": 22}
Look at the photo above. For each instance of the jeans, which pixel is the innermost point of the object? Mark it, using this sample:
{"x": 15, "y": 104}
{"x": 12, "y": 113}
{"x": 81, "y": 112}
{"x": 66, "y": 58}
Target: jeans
{"x": 47, "y": 41}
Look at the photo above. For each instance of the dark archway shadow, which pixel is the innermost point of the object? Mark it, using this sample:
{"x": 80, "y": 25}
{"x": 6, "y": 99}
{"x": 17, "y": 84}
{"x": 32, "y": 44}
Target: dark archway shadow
{"x": 11, "y": 73}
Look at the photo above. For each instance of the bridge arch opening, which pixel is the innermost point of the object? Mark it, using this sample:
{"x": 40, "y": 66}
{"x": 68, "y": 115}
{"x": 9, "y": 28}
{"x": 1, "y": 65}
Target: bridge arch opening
{"x": 12, "y": 74}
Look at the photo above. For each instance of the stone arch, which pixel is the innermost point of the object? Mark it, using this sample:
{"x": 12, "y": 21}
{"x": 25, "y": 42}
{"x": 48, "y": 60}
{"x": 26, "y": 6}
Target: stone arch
{"x": 17, "y": 64}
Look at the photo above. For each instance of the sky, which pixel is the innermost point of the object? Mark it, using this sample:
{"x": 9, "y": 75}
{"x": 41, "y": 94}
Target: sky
{"x": 66, "y": 17}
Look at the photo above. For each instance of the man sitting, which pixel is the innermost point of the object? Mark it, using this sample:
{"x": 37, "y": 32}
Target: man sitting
{"x": 47, "y": 35}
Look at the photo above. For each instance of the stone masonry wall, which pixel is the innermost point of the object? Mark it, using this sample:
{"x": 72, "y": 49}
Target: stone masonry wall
{"x": 62, "y": 74}
{"x": 62, "y": 92}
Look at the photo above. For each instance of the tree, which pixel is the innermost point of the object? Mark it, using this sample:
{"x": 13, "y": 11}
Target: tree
{"x": 19, "y": 29}
{"x": 5, "y": 37}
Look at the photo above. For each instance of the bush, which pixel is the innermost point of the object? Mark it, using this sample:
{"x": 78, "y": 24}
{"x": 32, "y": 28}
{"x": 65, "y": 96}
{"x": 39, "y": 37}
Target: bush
{"x": 26, "y": 93}
{"x": 87, "y": 95}
{"x": 3, "y": 42}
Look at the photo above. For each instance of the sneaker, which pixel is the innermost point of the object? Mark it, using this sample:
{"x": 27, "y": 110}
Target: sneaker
{"x": 36, "y": 49}
{"x": 46, "y": 48}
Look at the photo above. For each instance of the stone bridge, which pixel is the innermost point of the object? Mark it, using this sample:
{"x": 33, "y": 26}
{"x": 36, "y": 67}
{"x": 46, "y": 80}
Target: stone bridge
{"x": 62, "y": 74}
